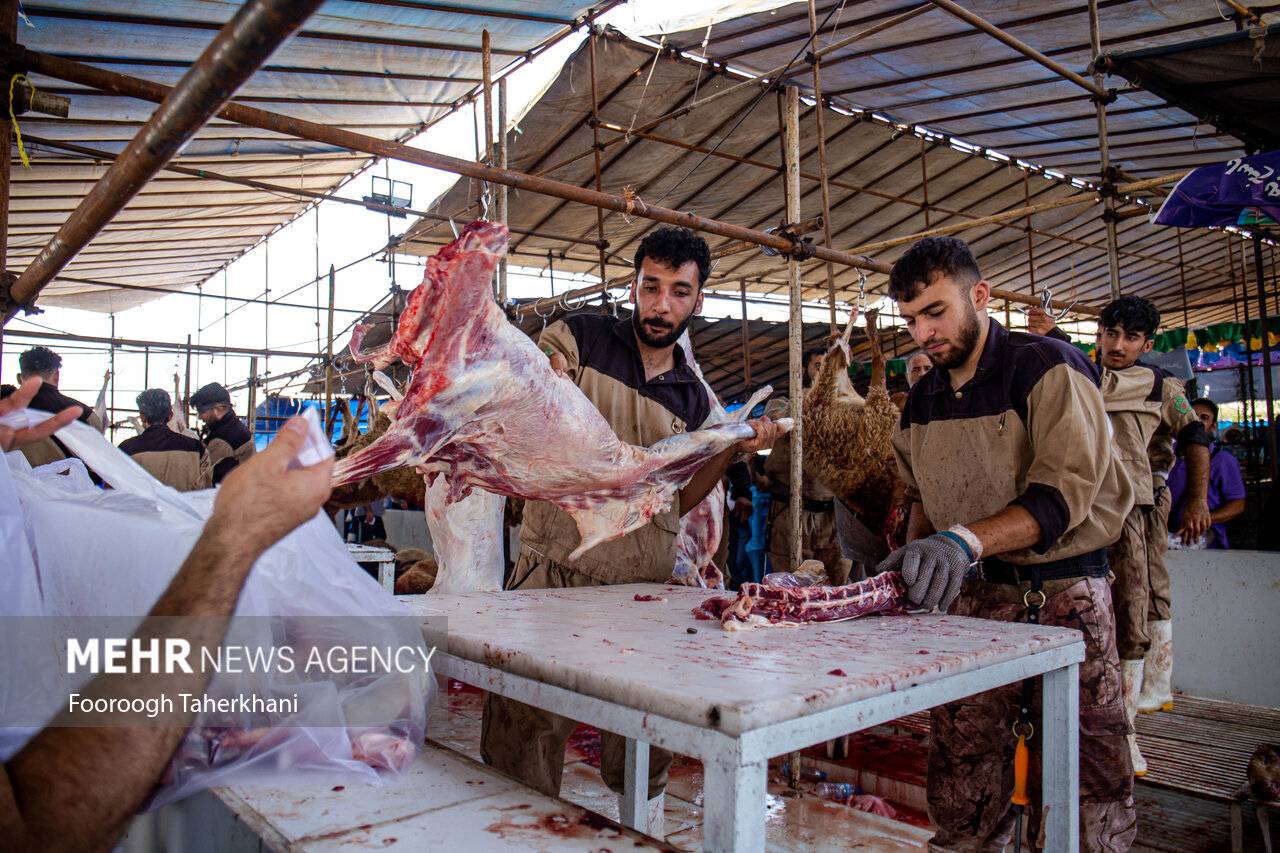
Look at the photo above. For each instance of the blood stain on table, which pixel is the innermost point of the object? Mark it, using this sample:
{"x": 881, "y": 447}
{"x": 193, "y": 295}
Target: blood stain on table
{"x": 586, "y": 825}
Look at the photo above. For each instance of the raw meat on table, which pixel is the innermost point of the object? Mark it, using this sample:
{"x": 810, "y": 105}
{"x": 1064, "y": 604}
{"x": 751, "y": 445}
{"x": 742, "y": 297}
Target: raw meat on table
{"x": 485, "y": 410}
{"x": 758, "y": 605}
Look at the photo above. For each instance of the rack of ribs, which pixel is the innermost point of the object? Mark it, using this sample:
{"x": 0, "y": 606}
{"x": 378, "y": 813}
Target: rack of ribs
{"x": 758, "y": 605}
{"x": 485, "y": 410}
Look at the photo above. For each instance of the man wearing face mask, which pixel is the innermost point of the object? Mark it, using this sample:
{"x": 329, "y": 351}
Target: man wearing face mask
{"x": 634, "y": 372}
{"x": 1015, "y": 491}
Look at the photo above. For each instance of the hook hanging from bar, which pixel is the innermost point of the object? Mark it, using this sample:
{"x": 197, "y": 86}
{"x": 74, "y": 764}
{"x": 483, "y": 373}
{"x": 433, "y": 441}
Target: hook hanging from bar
{"x": 1046, "y": 305}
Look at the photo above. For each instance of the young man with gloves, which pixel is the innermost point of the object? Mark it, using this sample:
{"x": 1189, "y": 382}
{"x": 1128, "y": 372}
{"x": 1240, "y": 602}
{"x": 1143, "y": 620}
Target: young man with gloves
{"x": 1015, "y": 491}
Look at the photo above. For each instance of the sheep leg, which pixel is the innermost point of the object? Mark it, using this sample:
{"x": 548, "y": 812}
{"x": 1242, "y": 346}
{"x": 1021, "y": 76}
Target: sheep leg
{"x": 879, "y": 381}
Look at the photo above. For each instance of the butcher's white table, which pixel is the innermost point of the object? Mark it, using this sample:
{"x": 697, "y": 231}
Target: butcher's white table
{"x": 736, "y": 699}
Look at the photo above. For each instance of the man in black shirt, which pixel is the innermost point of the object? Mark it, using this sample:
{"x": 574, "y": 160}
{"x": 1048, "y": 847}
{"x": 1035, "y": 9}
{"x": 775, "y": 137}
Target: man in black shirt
{"x": 45, "y": 364}
{"x": 227, "y": 440}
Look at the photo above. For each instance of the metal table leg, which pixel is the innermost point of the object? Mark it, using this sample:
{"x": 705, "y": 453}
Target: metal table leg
{"x": 1060, "y": 730}
{"x": 733, "y": 808}
{"x": 634, "y": 804}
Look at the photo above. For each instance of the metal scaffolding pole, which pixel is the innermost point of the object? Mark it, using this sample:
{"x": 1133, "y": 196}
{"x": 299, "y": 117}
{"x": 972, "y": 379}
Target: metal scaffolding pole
{"x": 1266, "y": 354}
{"x": 1252, "y": 418}
{"x": 253, "y": 396}
{"x": 159, "y": 346}
{"x": 108, "y": 81}
{"x": 8, "y": 33}
{"x": 594, "y": 121}
{"x": 328, "y": 362}
{"x": 1031, "y": 255}
{"x": 796, "y": 322}
{"x": 1021, "y": 47}
{"x": 1100, "y": 98}
{"x": 206, "y": 174}
{"x": 822, "y": 162}
{"x": 502, "y": 188}
{"x": 239, "y": 48}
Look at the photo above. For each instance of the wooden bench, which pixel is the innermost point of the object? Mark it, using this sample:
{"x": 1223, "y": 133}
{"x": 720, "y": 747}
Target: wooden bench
{"x": 444, "y": 801}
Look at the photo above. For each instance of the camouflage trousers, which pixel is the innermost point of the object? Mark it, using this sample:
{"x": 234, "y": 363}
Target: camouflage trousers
{"x": 970, "y": 776}
{"x": 1157, "y": 529}
{"x": 527, "y": 742}
{"x": 1128, "y": 560}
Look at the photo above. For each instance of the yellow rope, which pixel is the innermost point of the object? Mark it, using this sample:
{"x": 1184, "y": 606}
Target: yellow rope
{"x": 31, "y": 100}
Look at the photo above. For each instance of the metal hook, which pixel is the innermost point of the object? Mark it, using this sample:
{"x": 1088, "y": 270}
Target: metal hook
{"x": 454, "y": 227}
{"x": 1046, "y": 305}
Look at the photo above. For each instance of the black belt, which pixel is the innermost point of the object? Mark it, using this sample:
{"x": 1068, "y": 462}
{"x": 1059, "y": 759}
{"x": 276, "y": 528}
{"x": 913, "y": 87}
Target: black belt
{"x": 1090, "y": 565}
{"x": 808, "y": 503}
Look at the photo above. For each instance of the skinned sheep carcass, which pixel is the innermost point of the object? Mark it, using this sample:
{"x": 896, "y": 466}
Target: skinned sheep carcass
{"x": 485, "y": 410}
{"x": 847, "y": 438}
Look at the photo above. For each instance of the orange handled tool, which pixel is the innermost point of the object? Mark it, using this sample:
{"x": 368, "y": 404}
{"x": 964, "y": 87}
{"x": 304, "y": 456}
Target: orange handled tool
{"x": 1021, "y": 761}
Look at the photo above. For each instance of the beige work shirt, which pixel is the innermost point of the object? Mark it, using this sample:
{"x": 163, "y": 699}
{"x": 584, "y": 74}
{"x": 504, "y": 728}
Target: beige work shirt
{"x": 1148, "y": 408}
{"x": 604, "y": 362}
{"x": 1027, "y": 429}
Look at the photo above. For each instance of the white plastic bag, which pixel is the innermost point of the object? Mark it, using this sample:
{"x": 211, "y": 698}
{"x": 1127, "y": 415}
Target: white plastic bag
{"x": 24, "y": 681}
{"x": 305, "y": 592}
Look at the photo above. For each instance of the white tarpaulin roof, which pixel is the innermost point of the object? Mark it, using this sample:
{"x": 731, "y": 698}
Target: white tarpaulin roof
{"x": 384, "y": 68}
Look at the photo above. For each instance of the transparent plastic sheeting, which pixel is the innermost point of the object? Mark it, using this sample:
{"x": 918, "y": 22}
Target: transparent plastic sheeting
{"x": 346, "y": 689}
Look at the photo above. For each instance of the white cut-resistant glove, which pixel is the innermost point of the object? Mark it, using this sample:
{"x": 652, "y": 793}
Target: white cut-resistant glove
{"x": 932, "y": 568}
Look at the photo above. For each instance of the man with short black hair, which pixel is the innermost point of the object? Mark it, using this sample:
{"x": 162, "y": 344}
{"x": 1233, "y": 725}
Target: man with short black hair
{"x": 45, "y": 364}
{"x": 227, "y": 440}
{"x": 637, "y": 376}
{"x": 170, "y": 457}
{"x": 1015, "y": 491}
{"x": 1148, "y": 409}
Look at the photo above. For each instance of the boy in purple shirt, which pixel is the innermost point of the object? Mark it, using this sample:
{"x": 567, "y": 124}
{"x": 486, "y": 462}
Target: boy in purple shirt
{"x": 1226, "y": 487}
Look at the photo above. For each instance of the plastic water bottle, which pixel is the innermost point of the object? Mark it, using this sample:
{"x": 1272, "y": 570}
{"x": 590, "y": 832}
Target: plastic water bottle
{"x": 808, "y": 774}
{"x": 836, "y": 790}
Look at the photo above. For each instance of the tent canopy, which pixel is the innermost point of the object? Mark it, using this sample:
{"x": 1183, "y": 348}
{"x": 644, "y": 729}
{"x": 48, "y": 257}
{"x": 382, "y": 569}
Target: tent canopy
{"x": 1230, "y": 81}
{"x": 887, "y": 180}
{"x": 386, "y": 68}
